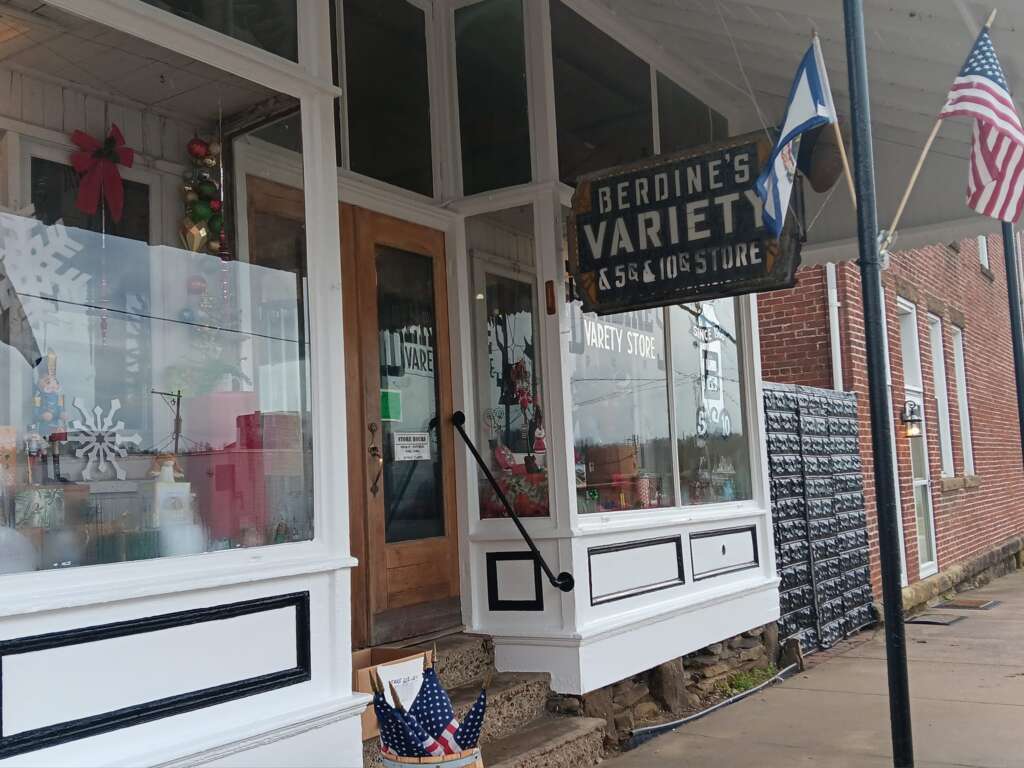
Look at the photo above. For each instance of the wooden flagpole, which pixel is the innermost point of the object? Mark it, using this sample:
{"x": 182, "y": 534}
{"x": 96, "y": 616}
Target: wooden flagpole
{"x": 920, "y": 161}
{"x": 846, "y": 164}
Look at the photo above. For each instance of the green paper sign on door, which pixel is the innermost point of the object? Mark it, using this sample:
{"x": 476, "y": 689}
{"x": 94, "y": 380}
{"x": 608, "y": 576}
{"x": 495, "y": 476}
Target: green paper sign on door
{"x": 390, "y": 405}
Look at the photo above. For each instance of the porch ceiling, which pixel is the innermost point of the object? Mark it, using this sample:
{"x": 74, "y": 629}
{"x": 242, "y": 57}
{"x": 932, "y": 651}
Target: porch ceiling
{"x": 915, "y": 49}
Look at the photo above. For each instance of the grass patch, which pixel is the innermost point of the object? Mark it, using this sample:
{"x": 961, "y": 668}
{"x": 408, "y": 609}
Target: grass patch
{"x": 744, "y": 681}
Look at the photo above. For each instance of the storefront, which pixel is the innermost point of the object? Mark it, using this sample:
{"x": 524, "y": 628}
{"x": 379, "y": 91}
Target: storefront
{"x": 233, "y": 353}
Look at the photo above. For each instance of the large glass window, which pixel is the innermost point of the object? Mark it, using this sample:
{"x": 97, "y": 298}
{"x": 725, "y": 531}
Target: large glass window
{"x": 267, "y": 24}
{"x": 510, "y": 407}
{"x": 619, "y": 382}
{"x": 685, "y": 121}
{"x": 494, "y": 122}
{"x": 602, "y": 97}
{"x": 153, "y": 329}
{"x": 711, "y": 419}
{"x": 387, "y": 93}
{"x": 659, "y": 407}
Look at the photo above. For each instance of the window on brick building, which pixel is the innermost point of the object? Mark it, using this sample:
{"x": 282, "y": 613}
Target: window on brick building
{"x": 983, "y": 251}
{"x": 960, "y": 373}
{"x": 941, "y": 393}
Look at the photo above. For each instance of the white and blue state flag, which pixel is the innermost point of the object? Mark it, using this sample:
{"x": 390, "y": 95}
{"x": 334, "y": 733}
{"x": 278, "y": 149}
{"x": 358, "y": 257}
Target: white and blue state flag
{"x": 810, "y": 105}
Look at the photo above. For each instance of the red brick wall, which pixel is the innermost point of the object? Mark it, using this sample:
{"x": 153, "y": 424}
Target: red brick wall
{"x": 794, "y": 332}
{"x": 951, "y": 284}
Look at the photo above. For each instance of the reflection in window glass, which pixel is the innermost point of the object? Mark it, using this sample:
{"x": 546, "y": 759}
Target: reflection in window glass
{"x": 619, "y": 386}
{"x": 685, "y": 121}
{"x": 267, "y": 24}
{"x": 387, "y": 95}
{"x": 711, "y": 420}
{"x": 602, "y": 97}
{"x": 509, "y": 401}
{"x": 155, "y": 360}
{"x": 493, "y": 114}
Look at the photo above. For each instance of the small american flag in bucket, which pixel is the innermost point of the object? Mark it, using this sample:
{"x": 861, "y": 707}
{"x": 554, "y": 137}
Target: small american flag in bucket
{"x": 995, "y": 186}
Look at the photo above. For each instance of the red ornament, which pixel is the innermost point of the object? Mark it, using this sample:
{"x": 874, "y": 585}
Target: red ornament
{"x": 97, "y": 164}
{"x": 197, "y": 285}
{"x": 215, "y": 206}
{"x": 198, "y": 148}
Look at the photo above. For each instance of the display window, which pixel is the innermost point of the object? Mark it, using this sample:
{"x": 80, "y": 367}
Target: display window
{"x": 271, "y": 25}
{"x": 712, "y": 440}
{"x": 509, "y": 377}
{"x": 154, "y": 342}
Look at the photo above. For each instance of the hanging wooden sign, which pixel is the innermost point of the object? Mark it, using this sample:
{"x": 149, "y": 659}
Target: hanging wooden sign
{"x": 677, "y": 228}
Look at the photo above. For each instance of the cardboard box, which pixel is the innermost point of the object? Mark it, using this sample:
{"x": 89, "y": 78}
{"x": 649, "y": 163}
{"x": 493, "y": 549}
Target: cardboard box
{"x": 364, "y": 662}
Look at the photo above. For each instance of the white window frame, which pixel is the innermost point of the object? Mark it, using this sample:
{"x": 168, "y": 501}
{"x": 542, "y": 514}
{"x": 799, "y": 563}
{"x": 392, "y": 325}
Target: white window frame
{"x": 310, "y": 82}
{"x": 914, "y": 392}
{"x": 941, "y": 393}
{"x": 983, "y": 252}
{"x": 963, "y": 399}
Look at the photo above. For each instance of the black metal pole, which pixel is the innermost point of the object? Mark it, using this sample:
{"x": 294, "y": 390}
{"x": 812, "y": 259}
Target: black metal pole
{"x": 881, "y": 416}
{"x": 1013, "y": 293}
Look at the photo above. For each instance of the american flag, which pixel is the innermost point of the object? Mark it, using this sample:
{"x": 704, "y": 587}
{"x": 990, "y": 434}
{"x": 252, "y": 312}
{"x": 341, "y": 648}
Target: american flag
{"x": 995, "y": 186}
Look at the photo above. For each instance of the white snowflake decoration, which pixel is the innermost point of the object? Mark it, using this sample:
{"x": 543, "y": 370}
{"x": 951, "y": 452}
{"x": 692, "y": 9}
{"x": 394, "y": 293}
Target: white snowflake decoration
{"x": 101, "y": 439}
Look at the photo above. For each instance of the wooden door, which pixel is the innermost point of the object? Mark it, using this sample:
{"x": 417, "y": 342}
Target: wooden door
{"x": 401, "y": 454}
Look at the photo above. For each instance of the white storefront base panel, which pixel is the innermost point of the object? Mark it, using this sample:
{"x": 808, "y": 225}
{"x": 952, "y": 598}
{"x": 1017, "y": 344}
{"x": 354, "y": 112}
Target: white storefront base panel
{"x": 581, "y": 665}
{"x": 231, "y": 676}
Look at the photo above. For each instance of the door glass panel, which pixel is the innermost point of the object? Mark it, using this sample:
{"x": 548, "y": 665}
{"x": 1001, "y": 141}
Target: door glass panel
{"x": 922, "y": 508}
{"x": 918, "y": 459}
{"x": 411, "y": 472}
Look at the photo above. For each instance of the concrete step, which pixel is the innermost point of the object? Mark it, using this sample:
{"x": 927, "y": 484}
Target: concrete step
{"x": 513, "y": 701}
{"x": 461, "y": 658}
{"x": 549, "y": 742}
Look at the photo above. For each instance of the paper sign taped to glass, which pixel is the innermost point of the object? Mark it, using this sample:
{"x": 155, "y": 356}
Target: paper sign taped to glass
{"x": 678, "y": 228}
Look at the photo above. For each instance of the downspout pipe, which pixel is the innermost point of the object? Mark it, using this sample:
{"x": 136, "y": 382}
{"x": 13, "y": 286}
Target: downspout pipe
{"x": 832, "y": 291}
{"x": 1013, "y": 294}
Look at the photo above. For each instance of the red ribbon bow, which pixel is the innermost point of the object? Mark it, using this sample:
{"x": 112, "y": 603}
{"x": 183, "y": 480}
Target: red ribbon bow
{"x": 97, "y": 164}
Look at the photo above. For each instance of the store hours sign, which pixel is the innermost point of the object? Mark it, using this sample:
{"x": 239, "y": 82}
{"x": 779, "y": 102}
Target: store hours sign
{"x": 677, "y": 228}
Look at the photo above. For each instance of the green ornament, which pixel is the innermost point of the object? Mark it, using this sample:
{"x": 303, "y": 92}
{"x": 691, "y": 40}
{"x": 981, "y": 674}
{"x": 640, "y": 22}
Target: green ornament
{"x": 200, "y": 211}
{"x": 207, "y": 190}
{"x": 215, "y": 224}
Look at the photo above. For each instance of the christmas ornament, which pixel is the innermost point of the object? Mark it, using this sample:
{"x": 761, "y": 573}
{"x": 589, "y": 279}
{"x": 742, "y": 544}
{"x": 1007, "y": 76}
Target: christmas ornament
{"x": 207, "y": 190}
{"x": 213, "y": 246}
{"x": 191, "y": 196}
{"x": 196, "y": 285}
{"x": 210, "y": 162}
{"x": 101, "y": 440}
{"x": 214, "y": 148}
{"x": 215, "y": 206}
{"x": 193, "y": 235}
{"x": 97, "y": 163}
{"x": 198, "y": 148}
{"x": 215, "y": 225}
{"x": 199, "y": 211}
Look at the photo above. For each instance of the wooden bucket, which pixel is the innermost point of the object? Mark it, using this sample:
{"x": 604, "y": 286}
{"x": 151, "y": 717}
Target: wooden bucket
{"x": 469, "y": 759}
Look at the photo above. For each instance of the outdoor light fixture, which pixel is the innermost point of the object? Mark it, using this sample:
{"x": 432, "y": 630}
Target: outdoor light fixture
{"x": 911, "y": 418}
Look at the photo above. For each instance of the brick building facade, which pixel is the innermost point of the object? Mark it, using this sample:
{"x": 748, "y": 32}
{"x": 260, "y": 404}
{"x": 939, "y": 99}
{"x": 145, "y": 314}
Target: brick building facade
{"x": 975, "y": 513}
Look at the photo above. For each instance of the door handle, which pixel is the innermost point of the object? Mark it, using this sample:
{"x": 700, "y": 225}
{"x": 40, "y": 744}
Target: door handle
{"x": 375, "y": 452}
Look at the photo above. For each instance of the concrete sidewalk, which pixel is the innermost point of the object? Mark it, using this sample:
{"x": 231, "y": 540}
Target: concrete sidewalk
{"x": 966, "y": 683}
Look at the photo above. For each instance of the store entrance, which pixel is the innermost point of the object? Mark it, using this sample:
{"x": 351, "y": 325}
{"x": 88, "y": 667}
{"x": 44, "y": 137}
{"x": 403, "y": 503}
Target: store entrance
{"x": 401, "y": 459}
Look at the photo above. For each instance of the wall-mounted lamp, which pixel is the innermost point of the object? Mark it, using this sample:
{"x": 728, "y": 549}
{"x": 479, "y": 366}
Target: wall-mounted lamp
{"x": 911, "y": 418}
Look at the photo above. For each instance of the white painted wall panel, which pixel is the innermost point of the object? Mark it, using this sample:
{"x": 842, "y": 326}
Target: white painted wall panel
{"x": 630, "y": 570}
{"x": 60, "y": 684}
{"x": 722, "y": 553}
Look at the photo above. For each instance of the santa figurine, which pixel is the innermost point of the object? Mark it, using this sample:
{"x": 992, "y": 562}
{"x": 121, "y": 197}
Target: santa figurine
{"x": 540, "y": 448}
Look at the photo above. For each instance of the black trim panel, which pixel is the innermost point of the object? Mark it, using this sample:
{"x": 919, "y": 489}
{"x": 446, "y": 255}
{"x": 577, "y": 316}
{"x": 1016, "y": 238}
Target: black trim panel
{"x": 494, "y": 601}
{"x": 646, "y": 588}
{"x": 756, "y": 562}
{"x": 52, "y": 735}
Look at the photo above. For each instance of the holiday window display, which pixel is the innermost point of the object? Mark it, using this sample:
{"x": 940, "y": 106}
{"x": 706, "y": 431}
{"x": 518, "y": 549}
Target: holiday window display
{"x": 514, "y": 424}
